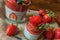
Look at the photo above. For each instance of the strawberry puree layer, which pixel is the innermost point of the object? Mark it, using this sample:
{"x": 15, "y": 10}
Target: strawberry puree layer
{"x": 15, "y": 6}
{"x": 33, "y": 30}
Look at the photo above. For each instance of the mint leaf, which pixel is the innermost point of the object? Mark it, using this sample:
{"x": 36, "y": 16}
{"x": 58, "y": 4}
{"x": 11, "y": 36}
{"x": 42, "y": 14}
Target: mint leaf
{"x": 46, "y": 26}
{"x": 40, "y": 26}
{"x": 19, "y": 1}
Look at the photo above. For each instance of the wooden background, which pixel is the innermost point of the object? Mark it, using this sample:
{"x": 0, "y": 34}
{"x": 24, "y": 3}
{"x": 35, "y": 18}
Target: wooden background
{"x": 46, "y": 4}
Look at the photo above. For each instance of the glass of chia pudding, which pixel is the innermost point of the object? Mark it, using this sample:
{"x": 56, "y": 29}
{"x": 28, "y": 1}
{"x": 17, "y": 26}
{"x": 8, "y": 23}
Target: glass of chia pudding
{"x": 16, "y": 10}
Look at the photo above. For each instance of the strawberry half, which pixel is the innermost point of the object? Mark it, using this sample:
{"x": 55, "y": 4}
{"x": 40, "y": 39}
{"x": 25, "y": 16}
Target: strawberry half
{"x": 35, "y": 20}
{"x": 11, "y": 30}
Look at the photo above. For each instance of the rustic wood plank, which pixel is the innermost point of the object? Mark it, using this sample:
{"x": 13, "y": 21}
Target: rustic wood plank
{"x": 49, "y": 4}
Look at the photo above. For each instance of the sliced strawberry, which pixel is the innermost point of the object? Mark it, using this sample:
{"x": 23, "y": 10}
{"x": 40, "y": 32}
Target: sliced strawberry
{"x": 11, "y": 30}
{"x": 35, "y": 20}
{"x": 57, "y": 33}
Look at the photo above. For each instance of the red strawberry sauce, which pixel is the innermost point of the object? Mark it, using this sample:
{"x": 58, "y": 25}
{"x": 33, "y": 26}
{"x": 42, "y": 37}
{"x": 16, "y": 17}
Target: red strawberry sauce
{"x": 32, "y": 29}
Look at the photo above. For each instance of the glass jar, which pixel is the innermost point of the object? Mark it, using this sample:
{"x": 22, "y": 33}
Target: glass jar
{"x": 16, "y": 12}
{"x": 31, "y": 33}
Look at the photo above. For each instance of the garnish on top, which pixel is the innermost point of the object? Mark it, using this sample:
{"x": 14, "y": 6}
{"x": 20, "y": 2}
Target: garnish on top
{"x": 23, "y": 2}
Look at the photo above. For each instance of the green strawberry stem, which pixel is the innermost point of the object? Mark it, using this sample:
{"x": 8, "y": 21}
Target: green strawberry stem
{"x": 46, "y": 26}
{"x": 40, "y": 26}
{"x": 52, "y": 14}
{"x": 16, "y": 24}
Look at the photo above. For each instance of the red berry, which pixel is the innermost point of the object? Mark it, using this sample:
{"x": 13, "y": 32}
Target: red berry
{"x": 57, "y": 33}
{"x": 11, "y": 30}
{"x": 49, "y": 33}
{"x": 35, "y": 20}
{"x": 42, "y": 12}
{"x": 46, "y": 18}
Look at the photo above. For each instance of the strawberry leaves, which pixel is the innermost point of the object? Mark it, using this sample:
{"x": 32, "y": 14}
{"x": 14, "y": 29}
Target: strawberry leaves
{"x": 46, "y": 26}
{"x": 11, "y": 30}
{"x": 40, "y": 26}
{"x": 52, "y": 14}
{"x": 43, "y": 26}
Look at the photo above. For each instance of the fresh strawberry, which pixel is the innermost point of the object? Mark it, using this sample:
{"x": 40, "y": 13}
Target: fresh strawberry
{"x": 57, "y": 33}
{"x": 11, "y": 30}
{"x": 42, "y": 12}
{"x": 46, "y": 18}
{"x": 35, "y": 20}
{"x": 49, "y": 33}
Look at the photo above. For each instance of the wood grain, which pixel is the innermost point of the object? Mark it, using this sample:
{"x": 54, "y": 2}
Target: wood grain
{"x": 49, "y": 4}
